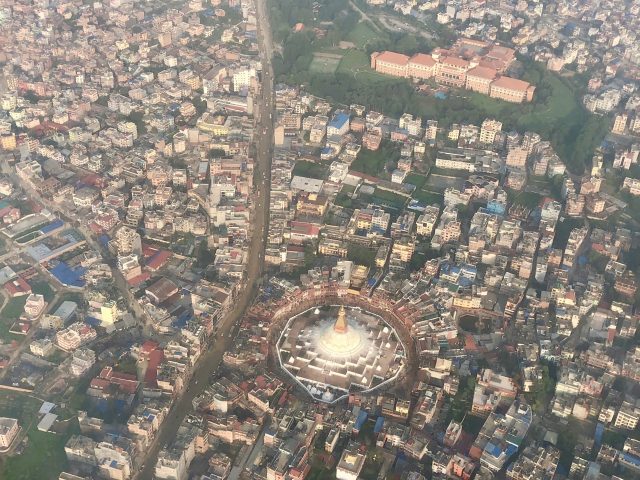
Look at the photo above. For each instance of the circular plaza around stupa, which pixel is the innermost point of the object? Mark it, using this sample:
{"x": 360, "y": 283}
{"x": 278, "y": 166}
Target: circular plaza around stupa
{"x": 333, "y": 350}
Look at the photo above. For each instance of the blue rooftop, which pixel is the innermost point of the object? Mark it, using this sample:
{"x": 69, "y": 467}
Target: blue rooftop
{"x": 338, "y": 120}
{"x": 362, "y": 417}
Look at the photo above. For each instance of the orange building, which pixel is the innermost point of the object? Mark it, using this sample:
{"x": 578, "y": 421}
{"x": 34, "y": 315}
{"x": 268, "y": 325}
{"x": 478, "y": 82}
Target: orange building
{"x": 390, "y": 63}
{"x": 512, "y": 90}
{"x": 472, "y": 65}
{"x": 479, "y": 79}
{"x": 452, "y": 71}
{"x": 422, "y": 66}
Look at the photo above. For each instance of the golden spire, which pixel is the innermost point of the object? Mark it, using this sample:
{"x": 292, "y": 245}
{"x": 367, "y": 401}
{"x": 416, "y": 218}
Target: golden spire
{"x": 341, "y": 322}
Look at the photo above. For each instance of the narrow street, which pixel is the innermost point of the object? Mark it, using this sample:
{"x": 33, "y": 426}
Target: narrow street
{"x": 210, "y": 360}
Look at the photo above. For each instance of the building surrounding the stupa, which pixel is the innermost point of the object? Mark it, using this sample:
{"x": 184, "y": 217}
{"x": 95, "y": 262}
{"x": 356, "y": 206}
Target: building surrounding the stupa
{"x": 334, "y": 351}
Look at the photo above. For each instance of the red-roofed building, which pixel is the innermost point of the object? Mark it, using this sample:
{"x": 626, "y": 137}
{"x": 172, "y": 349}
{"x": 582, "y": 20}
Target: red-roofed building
{"x": 390, "y": 63}
{"x": 452, "y": 71}
{"x": 421, "y": 66}
{"x": 138, "y": 279}
{"x": 512, "y": 90}
{"x": 303, "y": 231}
{"x": 479, "y": 79}
{"x": 151, "y": 375}
{"x": 17, "y": 287}
{"x": 158, "y": 260}
{"x": 468, "y": 64}
{"x": 124, "y": 382}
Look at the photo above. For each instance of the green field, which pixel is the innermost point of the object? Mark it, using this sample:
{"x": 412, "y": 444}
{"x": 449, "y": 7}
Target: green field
{"x": 356, "y": 65}
{"x": 388, "y": 198}
{"x": 14, "y": 308}
{"x": 374, "y": 162}
{"x": 363, "y": 34}
{"x": 305, "y": 168}
{"x": 416, "y": 179}
{"x": 352, "y": 61}
{"x": 44, "y": 457}
{"x": 10, "y": 313}
{"x": 427, "y": 197}
{"x": 324, "y": 63}
{"x": 43, "y": 288}
{"x": 343, "y": 199}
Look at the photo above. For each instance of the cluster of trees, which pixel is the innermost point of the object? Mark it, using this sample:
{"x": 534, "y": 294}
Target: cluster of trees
{"x": 204, "y": 255}
{"x": 291, "y": 12}
{"x": 361, "y": 255}
{"x": 401, "y": 43}
{"x": 216, "y": 153}
{"x": 392, "y": 97}
{"x": 297, "y": 53}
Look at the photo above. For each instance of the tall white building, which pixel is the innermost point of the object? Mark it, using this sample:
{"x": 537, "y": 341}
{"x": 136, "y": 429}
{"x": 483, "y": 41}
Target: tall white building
{"x": 351, "y": 463}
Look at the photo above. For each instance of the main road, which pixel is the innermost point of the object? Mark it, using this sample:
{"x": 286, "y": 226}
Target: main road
{"x": 211, "y": 359}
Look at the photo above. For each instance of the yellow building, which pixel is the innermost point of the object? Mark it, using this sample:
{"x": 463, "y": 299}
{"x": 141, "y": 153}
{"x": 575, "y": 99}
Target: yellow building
{"x": 109, "y": 313}
{"x": 8, "y": 142}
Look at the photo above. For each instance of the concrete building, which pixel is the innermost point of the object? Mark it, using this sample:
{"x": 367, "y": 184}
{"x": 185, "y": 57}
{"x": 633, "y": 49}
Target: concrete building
{"x": 8, "y": 431}
{"x": 350, "y": 464}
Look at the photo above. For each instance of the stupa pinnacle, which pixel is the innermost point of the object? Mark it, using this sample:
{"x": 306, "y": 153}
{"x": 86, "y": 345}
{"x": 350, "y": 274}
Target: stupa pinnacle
{"x": 341, "y": 324}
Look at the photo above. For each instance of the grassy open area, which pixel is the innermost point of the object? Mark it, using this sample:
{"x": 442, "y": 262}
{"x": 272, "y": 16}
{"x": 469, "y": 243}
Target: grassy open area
{"x": 324, "y": 63}
{"x": 43, "y": 288}
{"x": 388, "y": 198}
{"x": 372, "y": 465}
{"x": 353, "y": 60}
{"x": 44, "y": 457}
{"x": 361, "y": 255}
{"x": 427, "y": 197}
{"x": 14, "y": 308}
{"x": 362, "y": 35}
{"x": 305, "y": 168}
{"x": 374, "y": 162}
{"x": 416, "y": 179}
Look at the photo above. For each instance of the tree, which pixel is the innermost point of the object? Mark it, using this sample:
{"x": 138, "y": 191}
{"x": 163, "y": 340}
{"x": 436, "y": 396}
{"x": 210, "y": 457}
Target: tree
{"x": 543, "y": 389}
{"x": 361, "y": 255}
{"x": 216, "y": 153}
{"x": 137, "y": 117}
{"x": 204, "y": 255}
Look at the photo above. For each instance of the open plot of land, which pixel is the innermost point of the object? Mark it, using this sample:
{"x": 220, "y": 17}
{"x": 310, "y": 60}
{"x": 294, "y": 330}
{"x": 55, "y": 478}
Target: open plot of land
{"x": 325, "y": 63}
{"x": 310, "y": 169}
{"x": 11, "y": 312}
{"x": 356, "y": 64}
{"x": 427, "y": 197}
{"x": 388, "y": 198}
{"x": 14, "y": 308}
{"x": 439, "y": 183}
{"x": 416, "y": 179}
{"x": 43, "y": 457}
{"x": 525, "y": 199}
{"x": 43, "y": 288}
{"x": 362, "y": 35}
{"x": 373, "y": 162}
{"x": 353, "y": 60}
